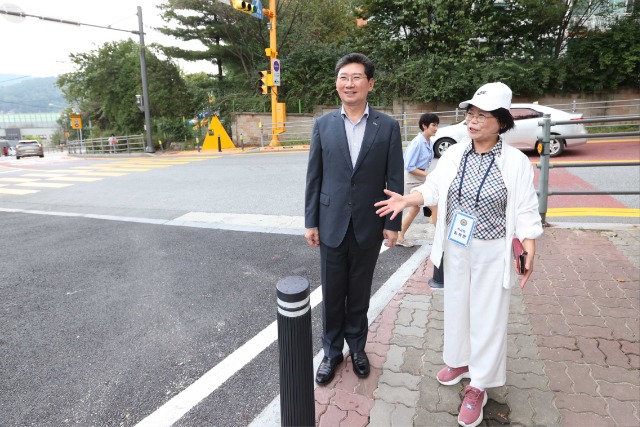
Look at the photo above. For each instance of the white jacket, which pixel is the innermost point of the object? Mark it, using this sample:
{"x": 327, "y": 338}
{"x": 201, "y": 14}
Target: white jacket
{"x": 523, "y": 219}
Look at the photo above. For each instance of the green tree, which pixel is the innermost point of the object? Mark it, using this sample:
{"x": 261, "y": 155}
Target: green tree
{"x": 426, "y": 50}
{"x": 441, "y": 50}
{"x": 604, "y": 60}
{"x": 106, "y": 80}
{"x": 236, "y": 42}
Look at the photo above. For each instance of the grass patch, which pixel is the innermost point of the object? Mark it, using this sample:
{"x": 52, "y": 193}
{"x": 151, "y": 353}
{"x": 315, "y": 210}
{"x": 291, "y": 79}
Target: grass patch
{"x": 616, "y": 128}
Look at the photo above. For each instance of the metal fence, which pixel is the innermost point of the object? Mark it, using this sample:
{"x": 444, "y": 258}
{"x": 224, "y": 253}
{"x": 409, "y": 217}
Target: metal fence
{"x": 544, "y": 166}
{"x": 299, "y": 132}
{"x": 126, "y": 144}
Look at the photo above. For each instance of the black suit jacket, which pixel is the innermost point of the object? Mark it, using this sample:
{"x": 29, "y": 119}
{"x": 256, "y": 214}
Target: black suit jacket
{"x": 338, "y": 192}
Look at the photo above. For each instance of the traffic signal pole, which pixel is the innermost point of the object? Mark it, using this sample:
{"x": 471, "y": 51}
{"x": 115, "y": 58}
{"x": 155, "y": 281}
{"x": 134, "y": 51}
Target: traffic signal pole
{"x": 271, "y": 78}
{"x": 272, "y": 53}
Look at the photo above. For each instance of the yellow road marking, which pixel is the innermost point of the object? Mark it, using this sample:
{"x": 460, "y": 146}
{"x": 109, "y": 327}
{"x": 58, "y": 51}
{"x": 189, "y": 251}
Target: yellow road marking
{"x": 18, "y": 179}
{"x": 127, "y": 165}
{"x": 189, "y": 158}
{"x": 159, "y": 162}
{"x": 559, "y": 162}
{"x": 17, "y": 192}
{"x": 198, "y": 159}
{"x": 44, "y": 184}
{"x": 89, "y": 173}
{"x": 614, "y": 212}
{"x": 604, "y": 141}
{"x": 42, "y": 175}
{"x": 75, "y": 179}
{"x": 124, "y": 170}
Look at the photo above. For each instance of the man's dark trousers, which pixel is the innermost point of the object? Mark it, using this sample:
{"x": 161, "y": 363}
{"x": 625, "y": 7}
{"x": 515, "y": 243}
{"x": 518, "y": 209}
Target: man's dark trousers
{"x": 351, "y": 279}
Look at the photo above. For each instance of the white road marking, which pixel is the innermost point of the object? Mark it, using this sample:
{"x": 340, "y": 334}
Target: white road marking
{"x": 179, "y": 405}
{"x": 16, "y": 192}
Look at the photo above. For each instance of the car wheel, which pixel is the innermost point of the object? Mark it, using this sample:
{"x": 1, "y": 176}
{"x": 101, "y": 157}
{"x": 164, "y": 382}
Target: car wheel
{"x": 556, "y": 146}
{"x": 17, "y": 157}
{"x": 41, "y": 156}
{"x": 441, "y": 146}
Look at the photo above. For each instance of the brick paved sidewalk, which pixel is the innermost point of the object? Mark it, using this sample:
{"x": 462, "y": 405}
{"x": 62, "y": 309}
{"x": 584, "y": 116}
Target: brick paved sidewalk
{"x": 573, "y": 355}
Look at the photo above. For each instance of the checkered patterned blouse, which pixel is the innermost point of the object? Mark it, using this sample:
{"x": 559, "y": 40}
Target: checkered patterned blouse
{"x": 491, "y": 201}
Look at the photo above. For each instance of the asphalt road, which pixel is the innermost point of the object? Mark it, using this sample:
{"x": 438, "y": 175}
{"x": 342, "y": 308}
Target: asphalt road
{"x": 109, "y": 309}
{"x": 126, "y": 280}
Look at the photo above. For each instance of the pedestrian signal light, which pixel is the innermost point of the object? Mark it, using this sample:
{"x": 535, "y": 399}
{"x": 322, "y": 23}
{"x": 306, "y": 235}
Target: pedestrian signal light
{"x": 266, "y": 80}
{"x": 244, "y": 6}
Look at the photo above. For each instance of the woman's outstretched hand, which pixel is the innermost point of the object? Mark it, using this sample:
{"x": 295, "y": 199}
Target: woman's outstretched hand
{"x": 394, "y": 204}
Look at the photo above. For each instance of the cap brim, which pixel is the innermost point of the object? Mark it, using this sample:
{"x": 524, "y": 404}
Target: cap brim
{"x": 465, "y": 104}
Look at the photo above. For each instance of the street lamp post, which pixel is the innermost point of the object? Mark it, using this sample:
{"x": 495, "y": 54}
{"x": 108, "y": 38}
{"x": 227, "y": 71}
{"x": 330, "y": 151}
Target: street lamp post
{"x": 145, "y": 87}
{"x": 19, "y": 14}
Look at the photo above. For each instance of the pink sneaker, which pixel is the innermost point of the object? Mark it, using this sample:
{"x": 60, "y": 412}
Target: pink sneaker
{"x": 471, "y": 409}
{"x": 451, "y": 376}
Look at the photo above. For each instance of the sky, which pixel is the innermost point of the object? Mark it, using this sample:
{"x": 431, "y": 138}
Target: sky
{"x": 34, "y": 47}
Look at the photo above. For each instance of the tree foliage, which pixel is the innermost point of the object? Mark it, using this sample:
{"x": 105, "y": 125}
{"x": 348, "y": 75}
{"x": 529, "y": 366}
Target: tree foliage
{"x": 441, "y": 50}
{"x": 425, "y": 51}
{"x": 105, "y": 82}
{"x": 591, "y": 65}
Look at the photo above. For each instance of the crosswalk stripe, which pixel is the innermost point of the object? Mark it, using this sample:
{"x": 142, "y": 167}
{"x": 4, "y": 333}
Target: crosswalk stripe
{"x": 101, "y": 174}
{"x": 18, "y": 179}
{"x": 75, "y": 179}
{"x": 44, "y": 184}
{"x": 17, "y": 192}
{"x": 110, "y": 169}
{"x": 42, "y": 175}
{"x": 134, "y": 165}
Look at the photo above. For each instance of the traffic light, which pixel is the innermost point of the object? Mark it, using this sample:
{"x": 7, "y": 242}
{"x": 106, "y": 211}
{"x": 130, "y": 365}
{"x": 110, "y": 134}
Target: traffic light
{"x": 244, "y": 6}
{"x": 140, "y": 102}
{"x": 266, "y": 80}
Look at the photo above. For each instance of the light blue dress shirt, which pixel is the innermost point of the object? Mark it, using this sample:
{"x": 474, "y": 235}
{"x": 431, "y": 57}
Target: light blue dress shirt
{"x": 355, "y": 133}
{"x": 418, "y": 154}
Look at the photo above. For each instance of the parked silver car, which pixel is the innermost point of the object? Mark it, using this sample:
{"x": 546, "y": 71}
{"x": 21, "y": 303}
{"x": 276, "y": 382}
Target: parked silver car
{"x": 29, "y": 147}
{"x": 525, "y": 135}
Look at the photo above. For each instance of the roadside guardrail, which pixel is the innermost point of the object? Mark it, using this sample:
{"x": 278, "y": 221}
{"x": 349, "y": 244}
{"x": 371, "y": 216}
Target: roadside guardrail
{"x": 544, "y": 166}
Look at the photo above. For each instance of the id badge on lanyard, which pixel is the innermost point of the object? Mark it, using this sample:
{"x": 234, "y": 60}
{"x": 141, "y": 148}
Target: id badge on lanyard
{"x": 462, "y": 225}
{"x": 461, "y": 229}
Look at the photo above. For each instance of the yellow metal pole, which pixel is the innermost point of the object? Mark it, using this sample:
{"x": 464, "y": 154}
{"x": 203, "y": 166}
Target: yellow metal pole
{"x": 271, "y": 13}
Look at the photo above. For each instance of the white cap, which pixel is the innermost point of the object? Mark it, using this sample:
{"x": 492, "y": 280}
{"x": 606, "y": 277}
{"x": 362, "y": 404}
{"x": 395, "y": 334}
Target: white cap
{"x": 490, "y": 96}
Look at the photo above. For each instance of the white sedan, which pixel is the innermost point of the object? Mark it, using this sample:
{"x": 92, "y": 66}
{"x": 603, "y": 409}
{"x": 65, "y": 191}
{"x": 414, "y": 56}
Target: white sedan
{"x": 524, "y": 135}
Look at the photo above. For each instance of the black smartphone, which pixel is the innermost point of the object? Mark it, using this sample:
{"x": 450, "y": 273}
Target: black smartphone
{"x": 521, "y": 260}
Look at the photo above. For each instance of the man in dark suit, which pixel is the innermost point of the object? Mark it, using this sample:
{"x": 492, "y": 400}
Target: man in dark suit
{"x": 356, "y": 152}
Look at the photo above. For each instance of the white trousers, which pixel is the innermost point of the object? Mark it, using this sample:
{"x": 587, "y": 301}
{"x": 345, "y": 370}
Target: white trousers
{"x": 476, "y": 311}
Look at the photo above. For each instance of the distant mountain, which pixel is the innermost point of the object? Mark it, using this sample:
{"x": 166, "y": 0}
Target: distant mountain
{"x": 19, "y": 94}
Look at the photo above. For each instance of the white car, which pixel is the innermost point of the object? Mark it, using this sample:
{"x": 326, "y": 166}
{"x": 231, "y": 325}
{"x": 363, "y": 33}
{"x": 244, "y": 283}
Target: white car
{"x": 524, "y": 135}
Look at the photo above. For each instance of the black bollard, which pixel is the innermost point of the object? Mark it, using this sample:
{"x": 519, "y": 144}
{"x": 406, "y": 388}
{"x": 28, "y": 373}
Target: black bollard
{"x": 297, "y": 401}
{"x": 219, "y": 145}
{"x": 437, "y": 281}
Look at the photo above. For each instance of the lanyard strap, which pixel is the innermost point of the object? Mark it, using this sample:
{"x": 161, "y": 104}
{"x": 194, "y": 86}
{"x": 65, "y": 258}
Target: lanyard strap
{"x": 464, "y": 169}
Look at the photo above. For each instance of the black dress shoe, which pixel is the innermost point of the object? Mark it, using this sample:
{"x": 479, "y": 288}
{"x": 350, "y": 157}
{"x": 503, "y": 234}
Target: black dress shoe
{"x": 360, "y": 363}
{"x": 327, "y": 369}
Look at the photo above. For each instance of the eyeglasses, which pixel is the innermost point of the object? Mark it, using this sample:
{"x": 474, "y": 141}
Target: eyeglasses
{"x": 480, "y": 118}
{"x": 354, "y": 79}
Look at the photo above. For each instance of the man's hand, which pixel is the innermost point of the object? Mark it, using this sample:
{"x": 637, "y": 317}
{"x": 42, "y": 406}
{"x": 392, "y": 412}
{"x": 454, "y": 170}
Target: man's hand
{"x": 390, "y": 236}
{"x": 312, "y": 236}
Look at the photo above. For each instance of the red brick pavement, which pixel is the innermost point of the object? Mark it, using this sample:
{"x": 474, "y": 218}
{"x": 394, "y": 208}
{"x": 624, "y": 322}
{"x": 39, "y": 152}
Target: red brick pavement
{"x": 584, "y": 308}
{"x": 583, "y": 303}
